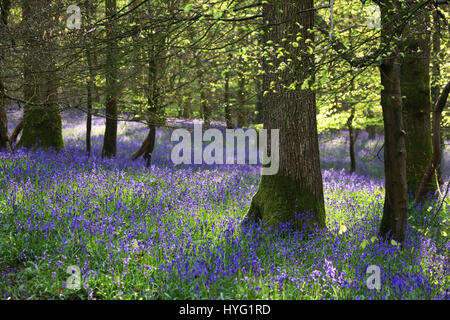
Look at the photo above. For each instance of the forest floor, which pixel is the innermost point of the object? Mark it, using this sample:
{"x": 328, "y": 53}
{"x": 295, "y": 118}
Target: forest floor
{"x": 168, "y": 232}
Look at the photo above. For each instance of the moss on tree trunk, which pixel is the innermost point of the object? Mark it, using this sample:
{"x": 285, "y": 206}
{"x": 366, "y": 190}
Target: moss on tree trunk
{"x": 281, "y": 199}
{"x": 42, "y": 127}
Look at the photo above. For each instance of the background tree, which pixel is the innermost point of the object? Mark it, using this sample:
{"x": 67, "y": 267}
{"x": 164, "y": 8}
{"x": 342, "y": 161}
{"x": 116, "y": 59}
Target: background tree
{"x": 41, "y": 116}
{"x": 112, "y": 90}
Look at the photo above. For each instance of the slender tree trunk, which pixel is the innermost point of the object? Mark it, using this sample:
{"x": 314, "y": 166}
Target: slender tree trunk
{"x": 155, "y": 112}
{"x": 352, "y": 139}
{"x": 393, "y": 222}
{"x": 371, "y": 129}
{"x": 242, "y": 118}
{"x": 110, "y": 138}
{"x": 228, "y": 120}
{"x": 147, "y": 146}
{"x": 259, "y": 98}
{"x": 42, "y": 123}
{"x": 16, "y": 132}
{"x": 4, "y": 140}
{"x": 91, "y": 59}
{"x": 416, "y": 92}
{"x": 206, "y": 112}
{"x": 187, "y": 109}
{"x": 297, "y": 187}
{"x": 90, "y": 86}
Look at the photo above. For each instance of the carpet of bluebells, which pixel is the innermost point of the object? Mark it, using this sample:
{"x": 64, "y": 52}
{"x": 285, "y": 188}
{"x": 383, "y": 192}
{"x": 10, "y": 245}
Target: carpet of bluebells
{"x": 168, "y": 232}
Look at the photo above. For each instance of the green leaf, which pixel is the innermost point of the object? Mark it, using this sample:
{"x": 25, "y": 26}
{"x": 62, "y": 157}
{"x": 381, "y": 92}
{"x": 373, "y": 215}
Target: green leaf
{"x": 364, "y": 244}
{"x": 188, "y": 8}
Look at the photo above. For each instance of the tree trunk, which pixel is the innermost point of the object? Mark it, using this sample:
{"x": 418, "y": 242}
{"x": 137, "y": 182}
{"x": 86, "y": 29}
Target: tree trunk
{"x": 4, "y": 140}
{"x": 147, "y": 147}
{"x": 110, "y": 138}
{"x": 436, "y": 157}
{"x": 259, "y": 98}
{"x": 187, "y": 109}
{"x": 154, "y": 111}
{"x": 371, "y": 129}
{"x": 90, "y": 86}
{"x": 297, "y": 187}
{"x": 228, "y": 120}
{"x": 393, "y": 222}
{"x": 241, "y": 111}
{"x": 435, "y": 77}
{"x": 416, "y": 92}
{"x": 42, "y": 117}
{"x": 91, "y": 60}
{"x": 206, "y": 112}
{"x": 352, "y": 140}
{"x": 16, "y": 133}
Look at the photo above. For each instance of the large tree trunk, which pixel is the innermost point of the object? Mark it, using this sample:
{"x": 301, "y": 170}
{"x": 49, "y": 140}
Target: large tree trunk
{"x": 297, "y": 187}
{"x": 42, "y": 117}
{"x": 393, "y": 222}
{"x": 435, "y": 77}
{"x": 436, "y": 157}
{"x": 5, "y": 5}
{"x": 416, "y": 92}
{"x": 110, "y": 138}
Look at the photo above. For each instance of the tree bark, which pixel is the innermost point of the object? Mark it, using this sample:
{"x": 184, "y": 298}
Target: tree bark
{"x": 155, "y": 112}
{"x": 416, "y": 92}
{"x": 352, "y": 139}
{"x": 241, "y": 111}
{"x": 4, "y": 140}
{"x": 16, "y": 132}
{"x": 42, "y": 123}
{"x": 436, "y": 157}
{"x": 110, "y": 138}
{"x": 5, "y": 6}
{"x": 297, "y": 187}
{"x": 147, "y": 147}
{"x": 228, "y": 120}
{"x": 371, "y": 129}
{"x": 393, "y": 222}
{"x": 91, "y": 58}
{"x": 435, "y": 77}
